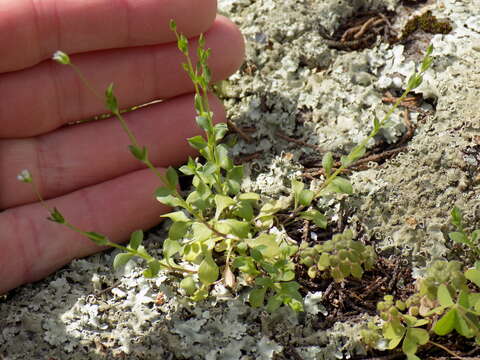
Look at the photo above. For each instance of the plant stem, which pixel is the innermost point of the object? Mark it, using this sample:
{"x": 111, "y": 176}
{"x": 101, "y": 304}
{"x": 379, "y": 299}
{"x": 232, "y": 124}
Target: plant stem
{"x": 444, "y": 348}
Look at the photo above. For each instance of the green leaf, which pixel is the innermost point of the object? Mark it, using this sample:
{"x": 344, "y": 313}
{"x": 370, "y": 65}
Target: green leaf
{"x": 345, "y": 268}
{"x": 201, "y": 232}
{"x": 427, "y": 61}
{"x": 458, "y": 237}
{"x": 420, "y": 335}
{"x": 202, "y": 121}
{"x": 223, "y": 159}
{"x": 234, "y": 179}
{"x": 200, "y": 294}
{"x": 97, "y": 238}
{"x": 316, "y": 216}
{"x": 182, "y": 44}
{"x": 110, "y": 100}
{"x": 170, "y": 247}
{"x": 443, "y": 296}
{"x": 222, "y": 202}
{"x": 168, "y": 197}
{"x": 273, "y": 303}
{"x": 256, "y": 255}
{"x": 357, "y": 270}
{"x": 266, "y": 244}
{"x": 346, "y": 161}
{"x": 178, "y": 230}
{"x": 153, "y": 269}
{"x": 136, "y": 239}
{"x": 429, "y": 50}
{"x": 327, "y": 163}
{"x": 323, "y": 261}
{"x": 254, "y": 197}
{"x": 297, "y": 187}
{"x": 264, "y": 281}
{"x": 232, "y": 226}
{"x": 376, "y": 124}
{"x": 473, "y": 275}
{"x": 139, "y": 153}
{"x": 201, "y": 197}
{"x": 336, "y": 274}
{"x": 56, "y": 216}
{"x": 462, "y": 327}
{"x": 413, "y": 338}
{"x": 190, "y": 168}
{"x": 197, "y": 142}
{"x": 463, "y": 298}
{"x": 340, "y": 185}
{"x": 475, "y": 236}
{"x": 447, "y": 323}
{"x": 244, "y": 209}
{"x": 306, "y": 197}
{"x": 201, "y": 42}
{"x": 291, "y": 289}
{"x": 246, "y": 265}
{"x": 193, "y": 253}
{"x": 414, "y": 81}
{"x": 208, "y": 271}
{"x": 393, "y": 333}
{"x": 257, "y": 297}
{"x": 188, "y": 284}
{"x": 456, "y": 214}
{"x": 421, "y": 322}
{"x": 220, "y": 130}
{"x": 121, "y": 259}
{"x": 357, "y": 152}
{"x": 177, "y": 216}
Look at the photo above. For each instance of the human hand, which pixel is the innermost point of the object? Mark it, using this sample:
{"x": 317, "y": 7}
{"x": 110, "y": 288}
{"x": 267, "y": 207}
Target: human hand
{"x": 86, "y": 170}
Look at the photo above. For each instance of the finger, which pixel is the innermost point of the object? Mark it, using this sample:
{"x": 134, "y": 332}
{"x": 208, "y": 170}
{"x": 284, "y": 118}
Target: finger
{"x": 33, "y": 247}
{"x": 82, "y": 155}
{"x": 33, "y": 30}
{"x": 55, "y": 95}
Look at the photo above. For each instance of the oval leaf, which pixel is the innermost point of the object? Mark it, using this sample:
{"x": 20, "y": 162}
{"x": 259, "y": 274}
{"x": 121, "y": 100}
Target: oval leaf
{"x": 208, "y": 271}
{"x": 473, "y": 275}
{"x": 257, "y": 297}
{"x": 136, "y": 239}
{"x": 121, "y": 259}
{"x": 340, "y": 185}
{"x": 443, "y": 296}
{"x": 446, "y": 324}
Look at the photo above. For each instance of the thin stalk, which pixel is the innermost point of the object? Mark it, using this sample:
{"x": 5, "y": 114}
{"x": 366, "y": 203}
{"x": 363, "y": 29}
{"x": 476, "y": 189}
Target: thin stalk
{"x": 123, "y": 123}
{"x": 444, "y": 348}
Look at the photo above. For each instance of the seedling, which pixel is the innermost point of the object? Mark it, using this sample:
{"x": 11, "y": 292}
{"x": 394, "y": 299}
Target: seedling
{"x": 219, "y": 233}
{"x": 460, "y": 236}
{"x": 444, "y": 302}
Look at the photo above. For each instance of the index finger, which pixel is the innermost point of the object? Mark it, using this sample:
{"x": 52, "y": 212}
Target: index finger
{"x": 30, "y": 31}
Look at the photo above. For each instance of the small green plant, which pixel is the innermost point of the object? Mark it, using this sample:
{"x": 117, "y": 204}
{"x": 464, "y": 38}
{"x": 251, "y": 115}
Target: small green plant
{"x": 219, "y": 233}
{"x": 444, "y": 302}
{"x": 460, "y": 236}
{"x": 342, "y": 256}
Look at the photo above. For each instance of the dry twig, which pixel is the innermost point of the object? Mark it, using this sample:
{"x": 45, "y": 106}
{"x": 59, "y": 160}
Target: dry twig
{"x": 239, "y": 131}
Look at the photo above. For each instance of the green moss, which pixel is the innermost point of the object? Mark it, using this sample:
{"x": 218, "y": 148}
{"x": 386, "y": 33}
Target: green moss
{"x": 426, "y": 22}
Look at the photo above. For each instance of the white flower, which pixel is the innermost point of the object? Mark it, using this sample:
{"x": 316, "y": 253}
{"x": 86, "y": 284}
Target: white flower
{"x": 25, "y": 176}
{"x": 61, "y": 57}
